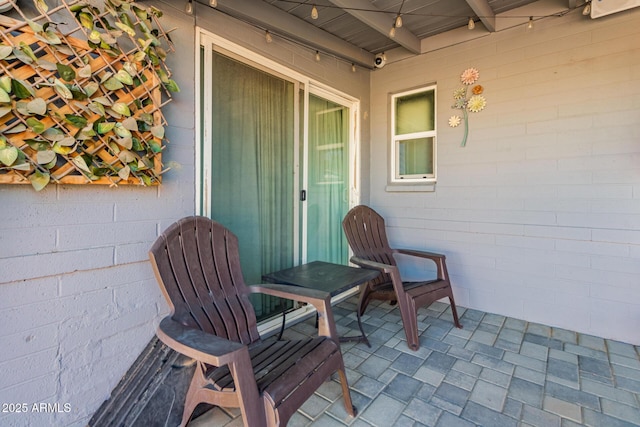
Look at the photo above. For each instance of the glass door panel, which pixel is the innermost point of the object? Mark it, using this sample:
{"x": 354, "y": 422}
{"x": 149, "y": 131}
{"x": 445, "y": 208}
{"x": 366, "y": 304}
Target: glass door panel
{"x": 327, "y": 180}
{"x": 252, "y": 184}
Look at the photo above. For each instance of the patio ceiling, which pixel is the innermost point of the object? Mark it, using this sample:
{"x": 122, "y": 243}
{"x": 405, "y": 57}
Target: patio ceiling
{"x": 357, "y": 30}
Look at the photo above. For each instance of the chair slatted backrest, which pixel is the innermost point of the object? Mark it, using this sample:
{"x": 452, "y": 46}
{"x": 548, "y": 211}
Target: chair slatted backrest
{"x": 197, "y": 262}
{"x": 367, "y": 237}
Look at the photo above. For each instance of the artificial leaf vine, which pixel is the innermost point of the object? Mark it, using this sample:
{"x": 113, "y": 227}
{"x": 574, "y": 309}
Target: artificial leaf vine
{"x": 83, "y": 104}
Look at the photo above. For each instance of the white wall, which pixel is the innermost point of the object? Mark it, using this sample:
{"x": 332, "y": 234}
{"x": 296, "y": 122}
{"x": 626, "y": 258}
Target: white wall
{"x": 78, "y": 300}
{"x": 539, "y": 215}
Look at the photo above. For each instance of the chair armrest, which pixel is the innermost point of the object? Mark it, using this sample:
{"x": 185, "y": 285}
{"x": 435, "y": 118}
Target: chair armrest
{"x": 213, "y": 350}
{"x": 438, "y": 259}
{"x": 319, "y": 299}
{"x": 422, "y": 254}
{"x": 197, "y": 344}
{"x": 365, "y": 263}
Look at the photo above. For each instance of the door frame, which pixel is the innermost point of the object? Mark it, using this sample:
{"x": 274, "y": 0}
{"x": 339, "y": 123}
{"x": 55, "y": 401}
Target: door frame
{"x": 203, "y": 127}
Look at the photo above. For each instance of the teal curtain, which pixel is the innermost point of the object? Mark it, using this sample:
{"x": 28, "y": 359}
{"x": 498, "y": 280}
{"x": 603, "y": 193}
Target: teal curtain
{"x": 252, "y": 167}
{"x": 328, "y": 188}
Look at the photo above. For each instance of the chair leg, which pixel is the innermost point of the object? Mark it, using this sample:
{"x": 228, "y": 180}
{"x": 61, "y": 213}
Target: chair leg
{"x": 348, "y": 404}
{"x": 409, "y": 323}
{"x": 189, "y": 407}
{"x": 456, "y": 320}
{"x": 251, "y": 403}
{"x": 192, "y": 399}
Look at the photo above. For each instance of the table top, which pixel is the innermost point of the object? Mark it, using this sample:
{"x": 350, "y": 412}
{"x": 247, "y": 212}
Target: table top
{"x": 324, "y": 276}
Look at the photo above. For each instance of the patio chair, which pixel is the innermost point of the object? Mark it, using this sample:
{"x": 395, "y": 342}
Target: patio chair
{"x": 366, "y": 234}
{"x": 196, "y": 263}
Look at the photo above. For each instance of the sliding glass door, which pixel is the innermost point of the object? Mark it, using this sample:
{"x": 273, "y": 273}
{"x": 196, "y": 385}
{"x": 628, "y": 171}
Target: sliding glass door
{"x": 274, "y": 156}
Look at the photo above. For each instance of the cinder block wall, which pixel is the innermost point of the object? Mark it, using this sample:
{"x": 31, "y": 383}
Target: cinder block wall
{"x": 540, "y": 214}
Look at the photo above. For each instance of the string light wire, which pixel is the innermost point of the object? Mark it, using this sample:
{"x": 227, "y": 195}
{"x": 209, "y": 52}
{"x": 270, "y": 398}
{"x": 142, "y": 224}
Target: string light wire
{"x": 434, "y": 15}
{"x": 305, "y": 46}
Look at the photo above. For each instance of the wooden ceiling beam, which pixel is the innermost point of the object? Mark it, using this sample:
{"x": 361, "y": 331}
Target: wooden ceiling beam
{"x": 382, "y": 22}
{"x": 277, "y": 21}
{"x": 484, "y": 11}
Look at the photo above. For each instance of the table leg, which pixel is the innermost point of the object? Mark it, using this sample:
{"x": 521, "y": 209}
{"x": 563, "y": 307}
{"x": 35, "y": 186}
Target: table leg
{"x": 364, "y": 337}
{"x": 284, "y": 318}
{"x": 358, "y": 338}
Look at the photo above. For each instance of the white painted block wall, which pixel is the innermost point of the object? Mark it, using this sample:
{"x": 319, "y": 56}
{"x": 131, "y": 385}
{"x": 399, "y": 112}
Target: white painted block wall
{"x": 78, "y": 299}
{"x": 539, "y": 215}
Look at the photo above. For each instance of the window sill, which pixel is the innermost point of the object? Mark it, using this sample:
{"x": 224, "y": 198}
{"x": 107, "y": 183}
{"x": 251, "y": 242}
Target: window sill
{"x": 418, "y": 187}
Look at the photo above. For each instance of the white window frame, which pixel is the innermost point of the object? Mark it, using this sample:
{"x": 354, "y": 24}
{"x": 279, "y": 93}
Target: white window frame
{"x": 425, "y": 179}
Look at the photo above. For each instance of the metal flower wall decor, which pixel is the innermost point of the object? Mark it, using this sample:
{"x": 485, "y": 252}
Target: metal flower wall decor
{"x": 474, "y": 102}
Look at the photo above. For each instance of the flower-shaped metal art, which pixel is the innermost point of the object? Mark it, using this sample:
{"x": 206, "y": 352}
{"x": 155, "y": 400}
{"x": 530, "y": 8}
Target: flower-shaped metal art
{"x": 454, "y": 121}
{"x": 462, "y": 101}
{"x": 476, "y": 103}
{"x": 469, "y": 76}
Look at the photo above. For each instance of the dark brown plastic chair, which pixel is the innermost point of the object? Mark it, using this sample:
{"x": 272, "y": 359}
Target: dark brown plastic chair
{"x": 196, "y": 262}
{"x": 366, "y": 234}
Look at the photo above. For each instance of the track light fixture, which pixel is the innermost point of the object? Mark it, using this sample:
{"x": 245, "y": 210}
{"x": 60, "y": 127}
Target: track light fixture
{"x": 213, "y": 3}
{"x": 471, "y": 25}
{"x": 267, "y": 36}
{"x": 189, "y": 7}
{"x": 530, "y": 24}
{"x": 392, "y": 31}
{"x": 587, "y": 9}
{"x": 314, "y": 12}
{"x": 317, "y": 56}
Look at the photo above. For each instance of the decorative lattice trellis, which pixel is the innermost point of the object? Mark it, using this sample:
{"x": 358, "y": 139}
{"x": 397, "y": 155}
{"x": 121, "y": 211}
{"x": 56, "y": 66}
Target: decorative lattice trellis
{"x": 81, "y": 92}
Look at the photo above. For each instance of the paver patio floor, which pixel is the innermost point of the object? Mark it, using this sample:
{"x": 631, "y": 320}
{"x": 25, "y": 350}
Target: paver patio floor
{"x": 496, "y": 371}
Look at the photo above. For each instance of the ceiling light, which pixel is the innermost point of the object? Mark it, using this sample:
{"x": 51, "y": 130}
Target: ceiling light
{"x": 587, "y": 9}
{"x": 188, "y": 7}
{"x": 353, "y": 68}
{"x": 392, "y": 31}
{"x": 317, "y": 56}
{"x": 213, "y": 3}
{"x": 530, "y": 24}
{"x": 398, "y": 21}
{"x": 471, "y": 25}
{"x": 267, "y": 36}
{"x": 314, "y": 12}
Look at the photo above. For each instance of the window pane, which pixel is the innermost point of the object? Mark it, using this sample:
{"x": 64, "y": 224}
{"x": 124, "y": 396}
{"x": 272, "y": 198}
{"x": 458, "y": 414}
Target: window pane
{"x": 414, "y": 113}
{"x": 416, "y": 156}
{"x": 328, "y": 182}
